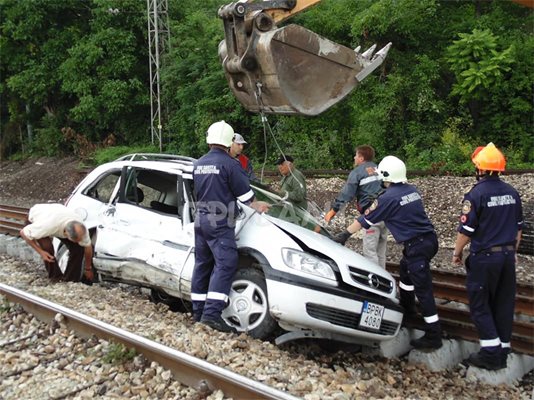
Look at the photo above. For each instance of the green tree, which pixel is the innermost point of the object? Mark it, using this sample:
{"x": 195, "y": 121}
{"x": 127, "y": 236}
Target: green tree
{"x": 34, "y": 37}
{"x": 459, "y": 75}
{"x": 476, "y": 63}
{"x": 106, "y": 71}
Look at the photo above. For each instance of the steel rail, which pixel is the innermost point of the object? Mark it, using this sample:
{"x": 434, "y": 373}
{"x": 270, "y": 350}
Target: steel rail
{"x": 457, "y": 323}
{"x": 12, "y": 219}
{"x": 14, "y": 208}
{"x": 190, "y": 371}
{"x": 451, "y": 286}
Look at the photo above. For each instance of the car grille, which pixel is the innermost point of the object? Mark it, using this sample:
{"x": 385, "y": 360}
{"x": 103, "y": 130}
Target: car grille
{"x": 371, "y": 280}
{"x": 347, "y": 319}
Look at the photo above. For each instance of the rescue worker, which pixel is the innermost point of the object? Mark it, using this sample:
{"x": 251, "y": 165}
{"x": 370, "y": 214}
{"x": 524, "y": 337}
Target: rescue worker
{"x": 56, "y": 220}
{"x": 236, "y": 151}
{"x": 365, "y": 185}
{"x": 293, "y": 183}
{"x": 402, "y": 210}
{"x": 219, "y": 183}
{"x": 491, "y": 219}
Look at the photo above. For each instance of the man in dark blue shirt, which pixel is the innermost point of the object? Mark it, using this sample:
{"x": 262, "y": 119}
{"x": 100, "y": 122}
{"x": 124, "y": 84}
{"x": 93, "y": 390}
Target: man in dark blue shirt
{"x": 365, "y": 185}
{"x": 402, "y": 210}
{"x": 491, "y": 219}
{"x": 219, "y": 183}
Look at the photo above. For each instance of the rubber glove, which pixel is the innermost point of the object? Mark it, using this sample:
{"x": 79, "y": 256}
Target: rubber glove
{"x": 342, "y": 237}
{"x": 329, "y": 215}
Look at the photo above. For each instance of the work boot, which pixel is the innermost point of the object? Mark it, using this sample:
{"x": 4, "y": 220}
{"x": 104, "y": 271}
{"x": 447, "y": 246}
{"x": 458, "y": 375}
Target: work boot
{"x": 197, "y": 316}
{"x": 484, "y": 361}
{"x": 218, "y": 323}
{"x": 504, "y": 355}
{"x": 429, "y": 341}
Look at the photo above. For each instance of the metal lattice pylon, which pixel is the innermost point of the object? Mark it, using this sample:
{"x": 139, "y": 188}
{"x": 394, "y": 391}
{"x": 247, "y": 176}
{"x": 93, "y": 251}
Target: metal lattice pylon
{"x": 158, "y": 44}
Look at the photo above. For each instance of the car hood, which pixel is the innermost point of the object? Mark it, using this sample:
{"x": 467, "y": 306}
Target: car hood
{"x": 322, "y": 244}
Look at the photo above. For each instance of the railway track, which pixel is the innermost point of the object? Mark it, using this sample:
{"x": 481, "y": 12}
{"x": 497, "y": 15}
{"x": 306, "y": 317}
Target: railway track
{"x": 190, "y": 371}
{"x": 12, "y": 219}
{"x": 330, "y": 173}
{"x": 449, "y": 289}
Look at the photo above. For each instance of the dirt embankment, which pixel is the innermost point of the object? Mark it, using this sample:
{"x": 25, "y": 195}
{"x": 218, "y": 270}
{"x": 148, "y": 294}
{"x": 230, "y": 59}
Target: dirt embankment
{"x": 42, "y": 180}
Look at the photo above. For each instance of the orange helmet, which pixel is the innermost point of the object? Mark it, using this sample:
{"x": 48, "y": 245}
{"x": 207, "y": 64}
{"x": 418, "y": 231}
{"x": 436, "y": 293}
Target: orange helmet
{"x": 475, "y": 153}
{"x": 489, "y": 158}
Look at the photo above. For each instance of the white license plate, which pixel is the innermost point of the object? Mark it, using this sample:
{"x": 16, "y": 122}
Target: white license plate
{"x": 371, "y": 315}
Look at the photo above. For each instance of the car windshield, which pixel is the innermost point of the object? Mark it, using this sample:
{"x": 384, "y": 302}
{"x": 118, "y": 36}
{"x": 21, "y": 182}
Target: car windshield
{"x": 287, "y": 211}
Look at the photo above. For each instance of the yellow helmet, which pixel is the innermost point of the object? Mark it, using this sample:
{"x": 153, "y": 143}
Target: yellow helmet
{"x": 489, "y": 158}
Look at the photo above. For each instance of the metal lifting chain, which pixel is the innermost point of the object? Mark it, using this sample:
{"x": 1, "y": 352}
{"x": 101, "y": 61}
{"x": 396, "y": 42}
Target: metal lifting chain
{"x": 267, "y": 127}
{"x": 265, "y": 124}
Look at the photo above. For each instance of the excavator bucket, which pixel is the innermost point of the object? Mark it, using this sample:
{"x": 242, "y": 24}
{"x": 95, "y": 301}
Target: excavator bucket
{"x": 289, "y": 70}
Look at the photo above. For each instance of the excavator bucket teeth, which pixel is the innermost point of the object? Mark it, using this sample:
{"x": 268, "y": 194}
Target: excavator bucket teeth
{"x": 292, "y": 70}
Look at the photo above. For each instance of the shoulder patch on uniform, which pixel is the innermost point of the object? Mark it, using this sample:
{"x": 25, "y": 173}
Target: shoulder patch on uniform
{"x": 466, "y": 207}
{"x": 370, "y": 170}
{"x": 372, "y": 207}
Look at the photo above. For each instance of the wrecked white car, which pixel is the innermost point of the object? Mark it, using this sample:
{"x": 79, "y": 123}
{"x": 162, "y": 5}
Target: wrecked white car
{"x": 291, "y": 275}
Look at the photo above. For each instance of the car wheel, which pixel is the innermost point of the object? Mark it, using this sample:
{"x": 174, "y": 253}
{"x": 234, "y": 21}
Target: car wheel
{"x": 175, "y": 304}
{"x": 248, "y": 309}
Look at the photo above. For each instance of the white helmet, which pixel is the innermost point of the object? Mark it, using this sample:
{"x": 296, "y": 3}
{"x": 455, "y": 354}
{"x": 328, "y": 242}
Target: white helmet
{"x": 392, "y": 169}
{"x": 220, "y": 133}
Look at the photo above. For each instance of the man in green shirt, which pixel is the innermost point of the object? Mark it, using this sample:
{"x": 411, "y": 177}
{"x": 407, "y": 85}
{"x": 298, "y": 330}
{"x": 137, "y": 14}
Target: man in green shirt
{"x": 293, "y": 183}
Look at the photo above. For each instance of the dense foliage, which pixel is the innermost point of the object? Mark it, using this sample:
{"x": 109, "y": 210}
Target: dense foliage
{"x": 74, "y": 73}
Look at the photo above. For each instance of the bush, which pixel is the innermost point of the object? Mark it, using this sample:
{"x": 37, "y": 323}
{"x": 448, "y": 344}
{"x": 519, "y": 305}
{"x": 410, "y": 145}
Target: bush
{"x": 108, "y": 154}
{"x": 451, "y": 157}
{"x": 49, "y": 140}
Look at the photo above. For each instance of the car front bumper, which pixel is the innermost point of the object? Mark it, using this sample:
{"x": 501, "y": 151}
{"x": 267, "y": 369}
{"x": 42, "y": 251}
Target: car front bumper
{"x": 304, "y": 307}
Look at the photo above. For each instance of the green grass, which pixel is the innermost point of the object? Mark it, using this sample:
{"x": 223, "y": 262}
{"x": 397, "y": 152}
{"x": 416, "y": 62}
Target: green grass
{"x": 4, "y": 306}
{"x": 117, "y": 353}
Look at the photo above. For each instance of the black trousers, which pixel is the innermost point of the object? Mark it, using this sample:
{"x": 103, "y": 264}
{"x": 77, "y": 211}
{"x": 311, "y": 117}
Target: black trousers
{"x": 416, "y": 279}
{"x": 491, "y": 287}
{"x": 73, "y": 272}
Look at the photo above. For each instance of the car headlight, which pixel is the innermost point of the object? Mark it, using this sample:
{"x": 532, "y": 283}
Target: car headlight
{"x": 307, "y": 263}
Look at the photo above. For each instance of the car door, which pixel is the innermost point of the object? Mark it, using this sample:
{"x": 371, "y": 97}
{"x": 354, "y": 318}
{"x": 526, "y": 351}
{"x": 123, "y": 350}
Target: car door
{"x": 138, "y": 243}
{"x": 90, "y": 201}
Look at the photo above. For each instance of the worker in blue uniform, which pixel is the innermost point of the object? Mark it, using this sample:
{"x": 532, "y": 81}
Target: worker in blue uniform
{"x": 402, "y": 210}
{"x": 491, "y": 220}
{"x": 219, "y": 183}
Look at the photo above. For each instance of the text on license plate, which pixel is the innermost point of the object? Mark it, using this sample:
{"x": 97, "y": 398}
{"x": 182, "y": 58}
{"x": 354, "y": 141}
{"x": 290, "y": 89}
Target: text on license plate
{"x": 371, "y": 315}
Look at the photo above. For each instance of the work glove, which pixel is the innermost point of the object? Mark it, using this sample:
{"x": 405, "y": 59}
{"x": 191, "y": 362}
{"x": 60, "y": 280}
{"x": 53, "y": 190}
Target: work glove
{"x": 342, "y": 237}
{"x": 329, "y": 215}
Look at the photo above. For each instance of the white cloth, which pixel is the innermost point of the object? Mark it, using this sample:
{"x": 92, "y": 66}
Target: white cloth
{"x": 51, "y": 220}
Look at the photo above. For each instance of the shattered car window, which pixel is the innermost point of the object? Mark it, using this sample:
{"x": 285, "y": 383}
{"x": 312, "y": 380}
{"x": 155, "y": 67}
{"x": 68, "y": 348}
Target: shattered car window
{"x": 287, "y": 211}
